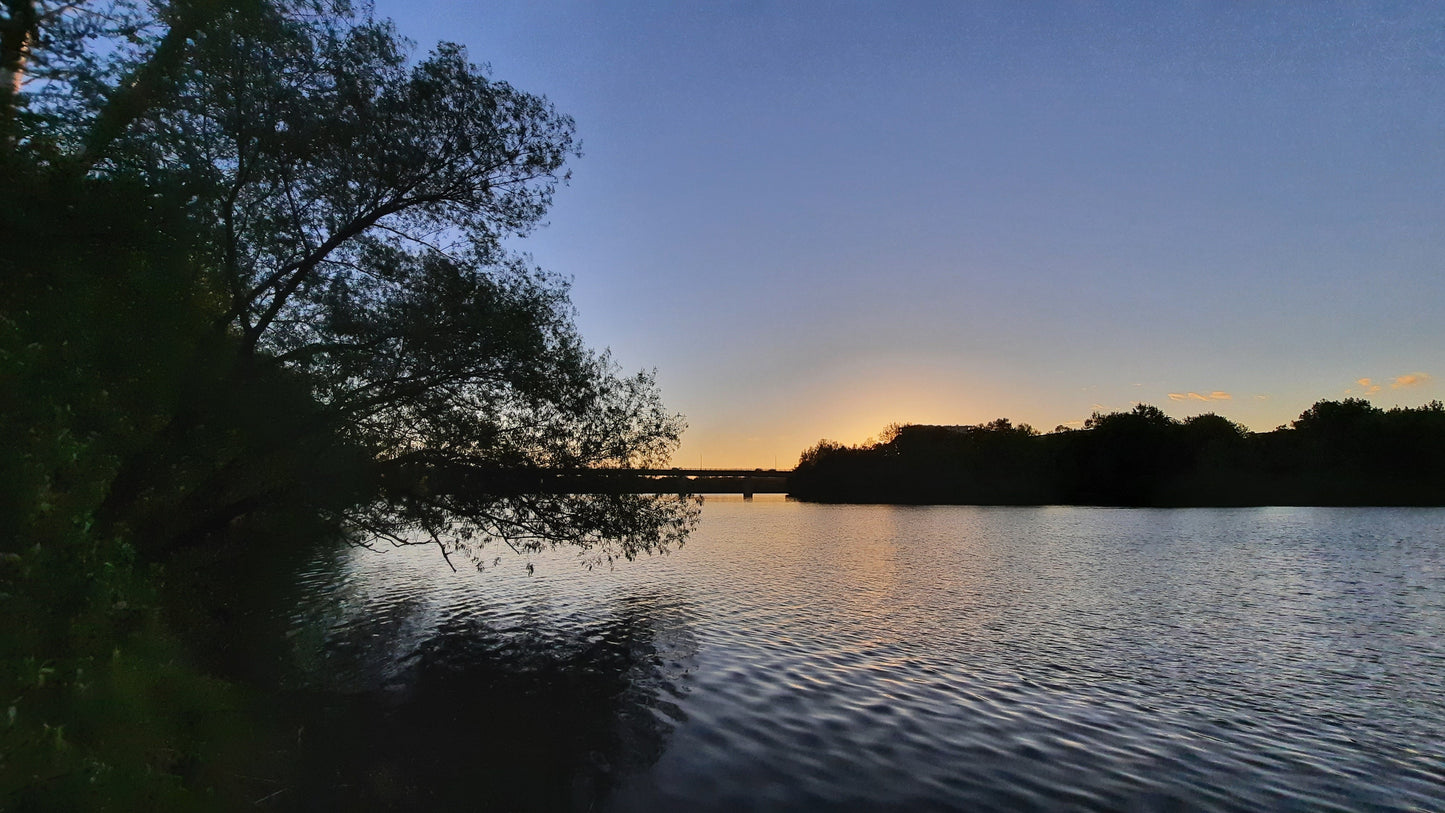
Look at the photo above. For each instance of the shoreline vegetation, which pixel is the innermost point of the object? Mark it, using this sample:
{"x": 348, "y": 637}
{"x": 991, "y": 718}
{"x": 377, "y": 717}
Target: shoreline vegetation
{"x": 256, "y": 297}
{"x": 1336, "y": 453}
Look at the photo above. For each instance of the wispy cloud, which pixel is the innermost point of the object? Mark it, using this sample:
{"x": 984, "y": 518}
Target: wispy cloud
{"x": 1217, "y": 395}
{"x": 1409, "y": 380}
{"x": 1367, "y": 387}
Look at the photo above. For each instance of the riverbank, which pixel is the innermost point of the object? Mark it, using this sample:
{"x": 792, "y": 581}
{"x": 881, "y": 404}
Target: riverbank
{"x": 1337, "y": 453}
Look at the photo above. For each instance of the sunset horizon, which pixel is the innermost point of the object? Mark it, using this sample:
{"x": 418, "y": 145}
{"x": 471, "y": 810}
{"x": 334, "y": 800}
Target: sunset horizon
{"x": 815, "y": 221}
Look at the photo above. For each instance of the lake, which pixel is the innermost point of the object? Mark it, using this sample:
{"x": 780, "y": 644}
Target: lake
{"x": 801, "y": 656}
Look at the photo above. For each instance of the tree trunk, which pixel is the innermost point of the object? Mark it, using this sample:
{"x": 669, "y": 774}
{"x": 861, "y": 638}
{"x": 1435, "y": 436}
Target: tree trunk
{"x": 17, "y": 32}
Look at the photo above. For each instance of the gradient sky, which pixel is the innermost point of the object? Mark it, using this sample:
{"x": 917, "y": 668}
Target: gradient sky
{"x": 815, "y": 219}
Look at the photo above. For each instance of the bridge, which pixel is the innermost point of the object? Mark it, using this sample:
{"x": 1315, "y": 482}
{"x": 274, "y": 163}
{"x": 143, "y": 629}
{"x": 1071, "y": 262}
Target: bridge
{"x": 728, "y": 481}
{"x": 503, "y": 480}
{"x": 746, "y": 482}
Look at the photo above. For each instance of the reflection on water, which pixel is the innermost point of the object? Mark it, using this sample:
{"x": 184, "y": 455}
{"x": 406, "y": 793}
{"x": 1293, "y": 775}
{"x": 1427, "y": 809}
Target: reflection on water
{"x": 422, "y": 689}
{"x": 804, "y": 656}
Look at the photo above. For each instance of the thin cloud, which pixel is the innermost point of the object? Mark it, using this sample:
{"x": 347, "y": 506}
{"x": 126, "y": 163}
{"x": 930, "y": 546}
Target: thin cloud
{"x": 1409, "y": 380}
{"x": 1368, "y": 385}
{"x": 1217, "y": 395}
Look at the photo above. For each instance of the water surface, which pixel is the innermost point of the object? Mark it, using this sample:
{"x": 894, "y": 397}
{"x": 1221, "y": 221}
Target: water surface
{"x": 797, "y": 656}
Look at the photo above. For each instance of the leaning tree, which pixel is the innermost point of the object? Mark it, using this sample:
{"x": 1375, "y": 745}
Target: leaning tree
{"x": 350, "y": 206}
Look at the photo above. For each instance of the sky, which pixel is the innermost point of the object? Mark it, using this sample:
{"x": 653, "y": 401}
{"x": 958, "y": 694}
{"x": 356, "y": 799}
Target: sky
{"x": 817, "y": 219}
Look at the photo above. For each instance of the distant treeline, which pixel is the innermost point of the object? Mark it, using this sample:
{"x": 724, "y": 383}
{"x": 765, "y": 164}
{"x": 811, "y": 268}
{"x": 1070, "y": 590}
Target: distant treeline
{"x": 1337, "y": 453}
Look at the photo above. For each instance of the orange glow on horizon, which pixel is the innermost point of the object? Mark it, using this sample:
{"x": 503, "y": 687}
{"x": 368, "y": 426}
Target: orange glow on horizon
{"x": 847, "y": 412}
{"x": 855, "y": 405}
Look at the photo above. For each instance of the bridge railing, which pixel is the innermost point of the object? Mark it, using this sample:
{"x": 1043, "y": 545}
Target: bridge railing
{"x": 480, "y": 480}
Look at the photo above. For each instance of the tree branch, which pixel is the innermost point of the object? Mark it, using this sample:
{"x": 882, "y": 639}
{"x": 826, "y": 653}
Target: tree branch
{"x": 299, "y": 270}
{"x": 17, "y": 31}
{"x": 443, "y": 548}
{"x": 135, "y": 95}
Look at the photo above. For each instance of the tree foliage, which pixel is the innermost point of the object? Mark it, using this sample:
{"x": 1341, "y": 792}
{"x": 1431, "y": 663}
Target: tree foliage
{"x": 1337, "y": 453}
{"x": 350, "y": 207}
{"x": 255, "y": 288}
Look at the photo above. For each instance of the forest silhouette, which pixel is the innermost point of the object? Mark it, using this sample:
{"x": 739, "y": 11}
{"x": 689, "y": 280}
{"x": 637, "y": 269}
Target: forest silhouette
{"x": 1346, "y": 452}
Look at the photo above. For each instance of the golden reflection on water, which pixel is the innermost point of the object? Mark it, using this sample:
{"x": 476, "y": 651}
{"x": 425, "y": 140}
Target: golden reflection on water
{"x": 798, "y": 656}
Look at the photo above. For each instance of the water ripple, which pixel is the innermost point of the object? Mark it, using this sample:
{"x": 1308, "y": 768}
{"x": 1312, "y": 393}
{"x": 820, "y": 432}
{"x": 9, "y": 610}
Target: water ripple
{"x": 797, "y": 656}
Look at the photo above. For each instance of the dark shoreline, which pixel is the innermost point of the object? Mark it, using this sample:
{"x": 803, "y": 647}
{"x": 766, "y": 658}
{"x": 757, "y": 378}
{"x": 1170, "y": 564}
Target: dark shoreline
{"x": 1348, "y": 453}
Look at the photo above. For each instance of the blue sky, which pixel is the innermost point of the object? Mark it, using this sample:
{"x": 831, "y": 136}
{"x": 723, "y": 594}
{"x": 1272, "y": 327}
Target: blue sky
{"x": 815, "y": 219}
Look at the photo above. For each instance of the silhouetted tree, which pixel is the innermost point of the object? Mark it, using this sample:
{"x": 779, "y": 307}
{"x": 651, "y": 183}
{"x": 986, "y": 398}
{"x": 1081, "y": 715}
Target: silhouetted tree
{"x": 350, "y": 206}
{"x": 252, "y": 291}
{"x": 1338, "y": 453}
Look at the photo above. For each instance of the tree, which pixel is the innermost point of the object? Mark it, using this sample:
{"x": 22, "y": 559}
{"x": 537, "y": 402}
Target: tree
{"x": 1338, "y": 417}
{"x": 353, "y": 206}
